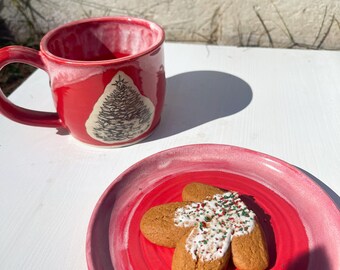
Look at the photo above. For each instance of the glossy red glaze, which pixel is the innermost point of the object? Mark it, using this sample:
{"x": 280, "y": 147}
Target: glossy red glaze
{"x": 12, "y": 54}
{"x": 300, "y": 221}
{"x": 271, "y": 210}
{"x": 83, "y": 60}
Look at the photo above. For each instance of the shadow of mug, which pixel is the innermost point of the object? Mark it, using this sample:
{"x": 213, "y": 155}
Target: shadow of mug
{"x": 198, "y": 97}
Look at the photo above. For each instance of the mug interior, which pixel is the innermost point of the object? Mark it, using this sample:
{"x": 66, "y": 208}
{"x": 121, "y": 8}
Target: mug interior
{"x": 103, "y": 39}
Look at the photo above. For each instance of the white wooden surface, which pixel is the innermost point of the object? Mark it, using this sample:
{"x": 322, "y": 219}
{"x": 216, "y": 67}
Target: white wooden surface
{"x": 285, "y": 103}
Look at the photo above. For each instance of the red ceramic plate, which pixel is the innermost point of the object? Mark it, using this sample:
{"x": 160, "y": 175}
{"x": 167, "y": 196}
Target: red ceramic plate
{"x": 301, "y": 223}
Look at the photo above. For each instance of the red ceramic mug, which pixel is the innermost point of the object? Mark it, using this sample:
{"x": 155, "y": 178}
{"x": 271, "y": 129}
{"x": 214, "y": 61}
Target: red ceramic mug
{"x": 106, "y": 75}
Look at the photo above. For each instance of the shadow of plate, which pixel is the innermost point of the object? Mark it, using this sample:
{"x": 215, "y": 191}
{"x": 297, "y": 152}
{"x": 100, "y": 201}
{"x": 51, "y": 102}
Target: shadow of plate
{"x": 335, "y": 198}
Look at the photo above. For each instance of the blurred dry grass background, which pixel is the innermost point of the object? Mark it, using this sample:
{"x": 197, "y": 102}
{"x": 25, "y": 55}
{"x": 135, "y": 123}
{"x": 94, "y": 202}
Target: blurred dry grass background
{"x": 298, "y": 24}
{"x": 14, "y": 74}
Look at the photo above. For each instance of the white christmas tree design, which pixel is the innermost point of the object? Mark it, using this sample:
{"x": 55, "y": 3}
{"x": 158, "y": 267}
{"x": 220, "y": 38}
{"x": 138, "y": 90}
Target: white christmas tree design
{"x": 121, "y": 113}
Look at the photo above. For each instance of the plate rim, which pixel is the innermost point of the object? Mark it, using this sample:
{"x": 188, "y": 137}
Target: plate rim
{"x": 302, "y": 176}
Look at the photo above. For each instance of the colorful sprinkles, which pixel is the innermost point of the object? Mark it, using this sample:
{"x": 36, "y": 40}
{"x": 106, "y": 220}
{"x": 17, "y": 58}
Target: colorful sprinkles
{"x": 215, "y": 223}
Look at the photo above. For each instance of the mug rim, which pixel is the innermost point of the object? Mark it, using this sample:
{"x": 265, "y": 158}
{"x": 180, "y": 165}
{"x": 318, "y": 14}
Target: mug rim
{"x": 152, "y": 25}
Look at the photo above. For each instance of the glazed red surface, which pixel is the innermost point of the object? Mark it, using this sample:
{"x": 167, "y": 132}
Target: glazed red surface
{"x": 81, "y": 58}
{"x": 284, "y": 231}
{"x": 75, "y": 101}
{"x": 300, "y": 221}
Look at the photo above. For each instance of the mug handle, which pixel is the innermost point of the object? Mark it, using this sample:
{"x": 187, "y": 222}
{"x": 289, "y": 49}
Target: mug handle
{"x": 20, "y": 54}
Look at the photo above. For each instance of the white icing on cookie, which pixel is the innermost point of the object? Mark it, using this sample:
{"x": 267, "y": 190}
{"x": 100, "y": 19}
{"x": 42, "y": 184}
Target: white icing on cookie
{"x": 215, "y": 223}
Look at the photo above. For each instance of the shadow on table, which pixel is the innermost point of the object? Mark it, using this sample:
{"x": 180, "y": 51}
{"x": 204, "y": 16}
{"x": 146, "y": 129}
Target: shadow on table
{"x": 317, "y": 257}
{"x": 197, "y": 97}
{"x": 327, "y": 189}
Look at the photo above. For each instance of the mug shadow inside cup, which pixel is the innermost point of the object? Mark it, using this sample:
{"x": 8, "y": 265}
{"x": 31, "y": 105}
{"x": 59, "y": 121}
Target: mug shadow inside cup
{"x": 197, "y": 97}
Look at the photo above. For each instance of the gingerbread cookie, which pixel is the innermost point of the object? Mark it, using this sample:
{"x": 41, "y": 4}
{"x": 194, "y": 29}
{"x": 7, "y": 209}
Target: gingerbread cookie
{"x": 197, "y": 192}
{"x": 158, "y": 226}
{"x": 207, "y": 229}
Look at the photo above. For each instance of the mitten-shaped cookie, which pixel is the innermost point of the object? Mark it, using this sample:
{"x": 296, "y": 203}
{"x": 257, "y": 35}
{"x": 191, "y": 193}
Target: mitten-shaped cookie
{"x": 209, "y": 227}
